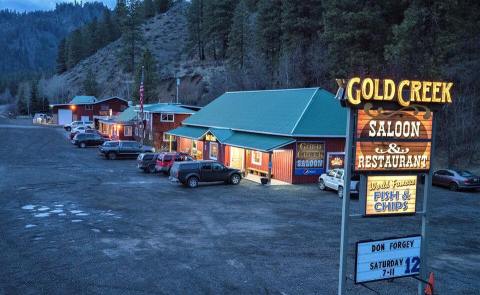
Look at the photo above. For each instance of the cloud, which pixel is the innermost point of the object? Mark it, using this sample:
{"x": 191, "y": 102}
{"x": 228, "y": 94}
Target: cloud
{"x": 31, "y": 5}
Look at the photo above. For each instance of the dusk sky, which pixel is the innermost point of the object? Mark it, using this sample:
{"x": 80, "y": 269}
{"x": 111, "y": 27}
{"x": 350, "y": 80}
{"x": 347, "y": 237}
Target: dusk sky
{"x": 30, "y": 5}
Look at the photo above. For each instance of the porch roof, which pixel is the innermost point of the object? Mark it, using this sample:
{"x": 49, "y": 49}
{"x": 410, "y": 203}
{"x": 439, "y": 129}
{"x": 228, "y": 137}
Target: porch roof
{"x": 188, "y": 132}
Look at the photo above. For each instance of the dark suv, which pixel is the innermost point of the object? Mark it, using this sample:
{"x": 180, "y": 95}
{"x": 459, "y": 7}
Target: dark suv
{"x": 147, "y": 161}
{"x": 123, "y": 149}
{"x": 87, "y": 139}
{"x": 190, "y": 173}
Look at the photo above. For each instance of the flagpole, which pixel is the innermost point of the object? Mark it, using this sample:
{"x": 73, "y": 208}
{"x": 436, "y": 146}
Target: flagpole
{"x": 142, "y": 115}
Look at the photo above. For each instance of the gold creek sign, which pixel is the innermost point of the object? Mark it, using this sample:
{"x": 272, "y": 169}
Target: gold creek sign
{"x": 405, "y": 92}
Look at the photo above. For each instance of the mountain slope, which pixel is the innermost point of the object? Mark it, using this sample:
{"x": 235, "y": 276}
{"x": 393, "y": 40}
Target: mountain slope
{"x": 166, "y": 36}
{"x": 29, "y": 41}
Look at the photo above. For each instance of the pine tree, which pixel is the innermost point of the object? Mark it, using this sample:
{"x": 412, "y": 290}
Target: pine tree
{"x": 149, "y": 8}
{"x": 132, "y": 35}
{"x": 150, "y": 78}
{"x": 196, "y": 26}
{"x": 218, "y": 20}
{"x": 75, "y": 48}
{"x": 162, "y": 5}
{"x": 237, "y": 39}
{"x": 35, "y": 103}
{"x": 61, "y": 57}
{"x": 90, "y": 85}
{"x": 269, "y": 31}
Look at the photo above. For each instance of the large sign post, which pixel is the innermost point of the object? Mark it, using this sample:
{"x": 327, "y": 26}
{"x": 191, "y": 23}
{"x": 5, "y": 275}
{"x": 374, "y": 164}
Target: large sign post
{"x": 390, "y": 141}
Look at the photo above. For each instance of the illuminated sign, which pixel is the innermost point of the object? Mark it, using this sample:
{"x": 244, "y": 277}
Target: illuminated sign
{"x": 394, "y": 124}
{"x": 309, "y": 158}
{"x": 383, "y": 156}
{"x": 387, "y": 259}
{"x": 404, "y": 93}
{"x": 390, "y": 195}
{"x": 210, "y": 137}
{"x": 335, "y": 160}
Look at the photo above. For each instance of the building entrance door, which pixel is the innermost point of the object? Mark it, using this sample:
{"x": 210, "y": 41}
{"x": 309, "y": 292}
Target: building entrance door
{"x": 237, "y": 158}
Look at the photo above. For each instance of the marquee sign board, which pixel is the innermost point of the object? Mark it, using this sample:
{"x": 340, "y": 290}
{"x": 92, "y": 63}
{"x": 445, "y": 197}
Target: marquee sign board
{"x": 309, "y": 158}
{"x": 390, "y": 195}
{"x": 394, "y": 125}
{"x": 392, "y": 156}
{"x": 387, "y": 259}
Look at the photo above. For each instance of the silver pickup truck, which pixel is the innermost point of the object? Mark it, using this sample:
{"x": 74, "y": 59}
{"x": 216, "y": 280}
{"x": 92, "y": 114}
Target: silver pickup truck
{"x": 334, "y": 180}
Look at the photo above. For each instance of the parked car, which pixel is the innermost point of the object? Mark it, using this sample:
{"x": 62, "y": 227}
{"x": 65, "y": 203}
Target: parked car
{"x": 123, "y": 149}
{"x": 191, "y": 173}
{"x": 75, "y": 124}
{"x": 165, "y": 161}
{"x": 80, "y": 129}
{"x": 147, "y": 161}
{"x": 456, "y": 179}
{"x": 334, "y": 180}
{"x": 40, "y": 118}
{"x": 87, "y": 139}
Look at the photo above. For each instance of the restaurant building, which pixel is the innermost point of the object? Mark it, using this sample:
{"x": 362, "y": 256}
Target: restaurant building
{"x": 87, "y": 108}
{"x": 287, "y": 135}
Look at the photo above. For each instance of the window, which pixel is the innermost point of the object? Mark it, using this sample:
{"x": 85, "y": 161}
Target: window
{"x": 168, "y": 137}
{"x": 256, "y": 158}
{"x": 213, "y": 150}
{"x": 217, "y": 167}
{"x": 127, "y": 130}
{"x": 136, "y": 131}
{"x": 88, "y": 107}
{"x": 167, "y": 117}
{"x": 207, "y": 166}
{"x": 104, "y": 107}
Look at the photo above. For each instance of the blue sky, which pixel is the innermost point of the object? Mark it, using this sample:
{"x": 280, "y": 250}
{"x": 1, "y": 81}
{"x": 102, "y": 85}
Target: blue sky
{"x": 30, "y": 5}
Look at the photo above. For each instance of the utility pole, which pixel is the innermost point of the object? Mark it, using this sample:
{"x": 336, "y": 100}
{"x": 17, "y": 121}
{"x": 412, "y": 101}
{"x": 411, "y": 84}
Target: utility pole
{"x": 178, "y": 84}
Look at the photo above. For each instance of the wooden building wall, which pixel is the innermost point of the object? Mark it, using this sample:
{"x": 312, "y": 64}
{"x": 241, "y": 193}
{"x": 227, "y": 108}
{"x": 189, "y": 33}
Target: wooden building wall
{"x": 160, "y": 127}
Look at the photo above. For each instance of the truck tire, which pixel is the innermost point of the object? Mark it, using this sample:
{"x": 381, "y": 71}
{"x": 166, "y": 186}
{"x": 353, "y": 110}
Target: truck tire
{"x": 340, "y": 192}
{"x": 82, "y": 145}
{"x": 321, "y": 185}
{"x": 151, "y": 169}
{"x": 192, "y": 182}
{"x": 111, "y": 156}
{"x": 235, "y": 179}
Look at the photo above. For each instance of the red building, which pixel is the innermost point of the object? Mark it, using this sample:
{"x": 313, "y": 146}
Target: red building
{"x": 121, "y": 127}
{"x": 160, "y": 118}
{"x": 87, "y": 108}
{"x": 291, "y": 135}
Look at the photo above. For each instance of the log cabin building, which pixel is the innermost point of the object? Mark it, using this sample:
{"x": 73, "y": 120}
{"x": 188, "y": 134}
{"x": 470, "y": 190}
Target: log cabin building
{"x": 284, "y": 135}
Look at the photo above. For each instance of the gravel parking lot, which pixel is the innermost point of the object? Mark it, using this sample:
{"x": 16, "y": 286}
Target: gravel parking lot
{"x": 72, "y": 222}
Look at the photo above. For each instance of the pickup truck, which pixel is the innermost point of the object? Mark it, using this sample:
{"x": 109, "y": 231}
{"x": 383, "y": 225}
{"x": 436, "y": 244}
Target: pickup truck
{"x": 190, "y": 173}
{"x": 334, "y": 180}
{"x": 123, "y": 149}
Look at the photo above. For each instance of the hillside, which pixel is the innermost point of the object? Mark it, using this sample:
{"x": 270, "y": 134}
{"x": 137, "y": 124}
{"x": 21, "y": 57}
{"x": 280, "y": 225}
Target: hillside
{"x": 166, "y": 36}
{"x": 29, "y": 41}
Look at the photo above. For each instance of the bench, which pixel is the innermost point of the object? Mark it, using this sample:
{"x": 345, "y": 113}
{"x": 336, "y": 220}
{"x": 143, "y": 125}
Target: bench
{"x": 261, "y": 173}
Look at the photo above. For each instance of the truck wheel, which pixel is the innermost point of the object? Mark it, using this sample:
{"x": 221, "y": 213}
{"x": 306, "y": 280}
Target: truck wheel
{"x": 340, "y": 192}
{"x": 235, "y": 179}
{"x": 111, "y": 156}
{"x": 192, "y": 182}
{"x": 321, "y": 185}
{"x": 82, "y": 145}
{"x": 151, "y": 169}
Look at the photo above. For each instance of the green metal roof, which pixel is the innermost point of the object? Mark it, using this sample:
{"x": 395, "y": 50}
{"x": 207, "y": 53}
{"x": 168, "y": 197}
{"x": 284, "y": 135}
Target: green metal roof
{"x": 221, "y": 134}
{"x": 82, "y": 99}
{"x": 305, "y": 112}
{"x": 259, "y": 142}
{"x": 127, "y": 115}
{"x": 188, "y": 132}
{"x": 167, "y": 108}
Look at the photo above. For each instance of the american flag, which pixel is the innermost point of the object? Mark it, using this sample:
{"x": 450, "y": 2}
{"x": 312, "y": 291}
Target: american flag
{"x": 142, "y": 90}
